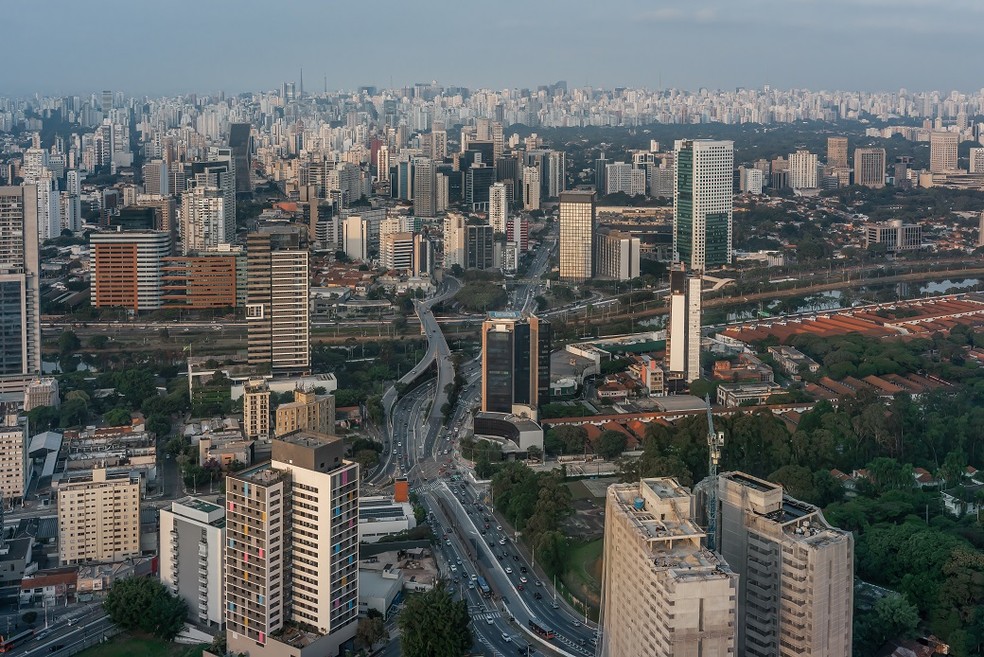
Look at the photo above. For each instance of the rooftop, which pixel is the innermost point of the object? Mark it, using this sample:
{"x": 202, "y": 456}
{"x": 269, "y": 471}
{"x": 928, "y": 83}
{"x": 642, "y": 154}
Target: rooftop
{"x": 308, "y": 439}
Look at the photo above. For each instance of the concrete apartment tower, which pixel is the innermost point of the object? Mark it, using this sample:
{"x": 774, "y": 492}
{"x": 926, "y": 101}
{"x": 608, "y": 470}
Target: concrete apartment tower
{"x": 192, "y": 539}
{"x": 837, "y": 152}
{"x": 292, "y": 550}
{"x": 577, "y": 227}
{"x": 20, "y": 270}
{"x": 98, "y": 518}
{"x": 869, "y": 167}
{"x": 256, "y": 410}
{"x": 795, "y": 572}
{"x": 943, "y": 151}
{"x": 663, "y": 593}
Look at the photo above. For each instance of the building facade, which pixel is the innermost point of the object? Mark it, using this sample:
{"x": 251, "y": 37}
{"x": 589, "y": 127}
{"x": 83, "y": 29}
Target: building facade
{"x": 795, "y": 572}
{"x": 308, "y": 412}
{"x": 14, "y": 475}
{"x": 20, "y": 270}
{"x": 292, "y": 549}
{"x": 895, "y": 235}
{"x": 803, "y": 170}
{"x": 616, "y": 255}
{"x": 515, "y": 363}
{"x": 664, "y": 594}
{"x": 703, "y": 202}
{"x": 202, "y": 281}
{"x": 498, "y": 207}
{"x": 869, "y": 167}
{"x": 128, "y": 269}
{"x": 837, "y": 152}
{"x": 256, "y": 410}
{"x": 577, "y": 229}
{"x": 192, "y": 535}
{"x": 683, "y": 333}
{"x": 943, "y": 151}
{"x": 41, "y": 391}
{"x": 98, "y": 518}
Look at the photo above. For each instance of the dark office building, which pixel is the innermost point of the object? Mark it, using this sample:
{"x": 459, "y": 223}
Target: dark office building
{"x": 479, "y": 247}
{"x": 515, "y": 362}
{"x": 240, "y": 143}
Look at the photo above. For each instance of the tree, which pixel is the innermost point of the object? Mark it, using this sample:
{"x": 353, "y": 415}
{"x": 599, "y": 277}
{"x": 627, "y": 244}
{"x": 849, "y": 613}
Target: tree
{"x": 535, "y": 453}
{"x": 432, "y": 624}
{"x": 43, "y": 418}
{"x": 371, "y": 631}
{"x": 890, "y": 617}
{"x": 611, "y": 444}
{"x": 68, "y": 343}
{"x": 74, "y": 412}
{"x": 145, "y": 604}
{"x": 117, "y": 417}
{"x": 98, "y": 342}
{"x": 366, "y": 458}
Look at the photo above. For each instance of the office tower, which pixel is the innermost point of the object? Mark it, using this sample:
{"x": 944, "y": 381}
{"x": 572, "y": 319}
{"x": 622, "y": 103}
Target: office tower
{"x": 156, "y": 179}
{"x": 617, "y": 176}
{"x": 20, "y": 270}
{"x": 479, "y": 247}
{"x": 14, "y": 475}
{"x": 702, "y": 202}
{"x": 663, "y": 593}
{"x": 803, "y": 170}
{"x": 72, "y": 204}
{"x": 455, "y": 241}
{"x": 308, "y": 412}
{"x": 616, "y": 255}
{"x": 555, "y": 182}
{"x": 869, "y": 167}
{"x": 442, "y": 192}
{"x": 107, "y": 101}
{"x": 577, "y": 226}
{"x": 439, "y": 142}
{"x": 98, "y": 518}
{"x": 601, "y": 175}
{"x": 128, "y": 267}
{"x": 750, "y": 180}
{"x": 396, "y": 251}
{"x": 256, "y": 410}
{"x": 41, "y": 391}
{"x": 837, "y": 152}
{"x": 355, "y": 237}
{"x": 423, "y": 256}
{"x": 531, "y": 188}
{"x": 192, "y": 536}
{"x": 240, "y": 139}
{"x": 478, "y": 183}
{"x": 383, "y": 164}
{"x": 208, "y": 207}
{"x": 277, "y": 296}
{"x": 498, "y": 207}
{"x": 795, "y": 572}
{"x": 292, "y": 549}
{"x": 515, "y": 363}
{"x": 977, "y": 160}
{"x": 498, "y": 141}
{"x": 683, "y": 334}
{"x": 943, "y": 151}
{"x": 424, "y": 187}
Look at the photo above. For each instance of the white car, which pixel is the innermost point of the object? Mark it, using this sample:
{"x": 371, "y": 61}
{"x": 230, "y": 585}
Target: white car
{"x": 506, "y": 637}
{"x": 508, "y": 570}
{"x": 454, "y": 568}
{"x": 490, "y": 620}
{"x": 523, "y": 580}
{"x": 502, "y": 541}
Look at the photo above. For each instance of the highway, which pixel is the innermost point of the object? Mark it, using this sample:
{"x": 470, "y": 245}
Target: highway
{"x": 64, "y": 640}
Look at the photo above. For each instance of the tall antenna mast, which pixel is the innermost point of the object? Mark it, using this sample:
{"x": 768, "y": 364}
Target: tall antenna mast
{"x": 715, "y": 441}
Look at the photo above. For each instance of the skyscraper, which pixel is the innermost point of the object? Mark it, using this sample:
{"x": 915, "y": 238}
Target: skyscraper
{"x": 256, "y": 410}
{"x": 20, "y": 268}
{"x": 208, "y": 207}
{"x": 424, "y": 187}
{"x": 498, "y": 207}
{"x": 239, "y": 141}
{"x": 795, "y": 572}
{"x": 803, "y": 170}
{"x": 943, "y": 151}
{"x": 455, "y": 241}
{"x": 156, "y": 179}
{"x": 663, "y": 594}
{"x": 292, "y": 549}
{"x": 479, "y": 247}
{"x": 869, "y": 167}
{"x": 277, "y": 296}
{"x": 515, "y": 363}
{"x": 683, "y": 334}
{"x": 703, "y": 201}
{"x": 192, "y": 546}
{"x": 577, "y": 226}
{"x": 616, "y": 255}
{"x": 531, "y": 188}
{"x": 837, "y": 152}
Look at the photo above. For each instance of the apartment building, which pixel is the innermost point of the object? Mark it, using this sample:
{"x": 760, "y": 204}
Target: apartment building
{"x": 13, "y": 459}
{"x": 309, "y": 411}
{"x": 192, "y": 535}
{"x": 256, "y": 410}
{"x": 98, "y": 518}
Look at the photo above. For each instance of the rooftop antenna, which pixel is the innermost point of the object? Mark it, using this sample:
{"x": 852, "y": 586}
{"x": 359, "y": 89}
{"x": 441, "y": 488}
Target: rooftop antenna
{"x": 715, "y": 441}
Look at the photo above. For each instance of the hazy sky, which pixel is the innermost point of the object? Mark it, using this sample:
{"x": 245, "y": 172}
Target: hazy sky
{"x": 172, "y": 46}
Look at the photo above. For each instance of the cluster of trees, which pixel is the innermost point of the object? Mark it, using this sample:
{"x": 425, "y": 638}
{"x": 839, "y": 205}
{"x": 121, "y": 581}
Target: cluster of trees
{"x": 145, "y": 604}
{"x": 360, "y": 381}
{"x": 432, "y": 624}
{"x": 574, "y": 440}
{"x": 535, "y": 503}
{"x": 366, "y": 452}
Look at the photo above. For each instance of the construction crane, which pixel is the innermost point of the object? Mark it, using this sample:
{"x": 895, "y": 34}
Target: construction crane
{"x": 715, "y": 441}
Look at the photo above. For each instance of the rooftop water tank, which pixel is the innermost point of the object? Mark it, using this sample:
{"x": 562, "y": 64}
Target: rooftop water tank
{"x": 639, "y": 504}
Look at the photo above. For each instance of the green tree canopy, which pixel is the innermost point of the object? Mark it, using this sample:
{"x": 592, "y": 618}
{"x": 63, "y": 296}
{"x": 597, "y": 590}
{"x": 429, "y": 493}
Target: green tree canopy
{"x": 432, "y": 624}
{"x": 611, "y": 444}
{"x": 145, "y": 604}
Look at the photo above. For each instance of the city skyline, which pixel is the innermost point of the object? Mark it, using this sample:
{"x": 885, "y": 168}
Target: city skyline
{"x": 586, "y": 45}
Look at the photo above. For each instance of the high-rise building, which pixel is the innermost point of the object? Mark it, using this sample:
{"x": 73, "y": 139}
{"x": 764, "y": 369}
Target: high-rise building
{"x": 577, "y": 227}
{"x": 424, "y": 187}
{"x": 869, "y": 167}
{"x": 192, "y": 534}
{"x": 128, "y": 269}
{"x": 703, "y": 202}
{"x": 308, "y": 412}
{"x": 683, "y": 333}
{"x": 837, "y": 152}
{"x": 208, "y": 206}
{"x": 498, "y": 207}
{"x": 616, "y": 254}
{"x": 292, "y": 550}
{"x": 210, "y": 279}
{"x": 976, "y": 160}
{"x": 14, "y": 475}
{"x": 803, "y": 170}
{"x": 156, "y": 180}
{"x": 355, "y": 237}
{"x": 41, "y": 391}
{"x": 277, "y": 297}
{"x": 240, "y": 138}
{"x": 479, "y": 247}
{"x": 531, "y": 188}
{"x": 515, "y": 363}
{"x": 396, "y": 251}
{"x": 943, "y": 151}
{"x": 980, "y": 231}
{"x": 20, "y": 270}
{"x": 455, "y": 241}
{"x": 618, "y": 177}
{"x": 256, "y": 410}
{"x": 663, "y": 593}
{"x": 795, "y": 572}
{"x": 98, "y": 518}
{"x": 750, "y": 180}
{"x": 601, "y": 175}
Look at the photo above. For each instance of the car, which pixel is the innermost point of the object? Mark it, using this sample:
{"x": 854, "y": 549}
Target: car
{"x": 459, "y": 561}
{"x": 538, "y": 583}
{"x": 490, "y": 620}
{"x": 508, "y": 570}
{"x": 523, "y": 580}
{"x": 506, "y": 637}
{"x": 42, "y": 634}
{"x": 502, "y": 541}
{"x": 576, "y": 623}
{"x": 581, "y": 642}
{"x": 555, "y": 605}
{"x": 498, "y": 527}
{"x": 474, "y": 578}
{"x": 471, "y": 585}
{"x": 454, "y": 568}
{"x": 522, "y": 569}
{"x": 538, "y": 596}
{"x": 519, "y": 587}
{"x": 447, "y": 542}
{"x": 515, "y": 557}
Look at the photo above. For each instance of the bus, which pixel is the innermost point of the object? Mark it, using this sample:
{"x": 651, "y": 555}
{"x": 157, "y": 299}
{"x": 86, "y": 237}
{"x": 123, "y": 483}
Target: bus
{"x": 483, "y": 586}
{"x": 9, "y": 643}
{"x": 541, "y": 631}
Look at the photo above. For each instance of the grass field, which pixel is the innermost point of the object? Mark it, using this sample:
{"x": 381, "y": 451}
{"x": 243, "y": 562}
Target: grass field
{"x": 582, "y": 576}
{"x": 128, "y": 645}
